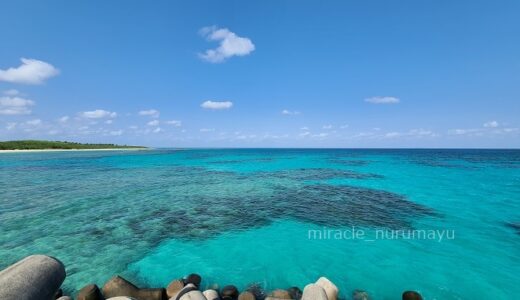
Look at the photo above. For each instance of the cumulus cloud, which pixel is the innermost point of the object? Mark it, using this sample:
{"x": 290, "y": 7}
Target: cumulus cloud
{"x": 63, "y": 119}
{"x": 290, "y": 112}
{"x": 175, "y": 123}
{"x": 491, "y": 124}
{"x": 31, "y": 71}
{"x": 327, "y": 126}
{"x": 150, "y": 112}
{"x": 230, "y": 44}
{"x": 10, "y": 105}
{"x": 98, "y": 114}
{"x": 217, "y": 105}
{"x": 382, "y": 100}
{"x": 153, "y": 123}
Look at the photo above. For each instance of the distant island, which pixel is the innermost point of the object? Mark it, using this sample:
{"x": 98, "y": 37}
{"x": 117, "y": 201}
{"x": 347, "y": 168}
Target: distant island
{"x": 59, "y": 145}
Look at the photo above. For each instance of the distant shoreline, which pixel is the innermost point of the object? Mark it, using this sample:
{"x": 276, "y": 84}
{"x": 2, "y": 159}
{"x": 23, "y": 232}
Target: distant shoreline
{"x": 69, "y": 150}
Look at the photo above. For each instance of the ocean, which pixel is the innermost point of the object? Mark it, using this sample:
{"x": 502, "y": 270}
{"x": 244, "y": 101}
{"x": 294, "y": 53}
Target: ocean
{"x": 443, "y": 222}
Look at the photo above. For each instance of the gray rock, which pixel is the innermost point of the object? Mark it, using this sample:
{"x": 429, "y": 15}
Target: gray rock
{"x": 64, "y": 298}
{"x": 229, "y": 292}
{"x": 295, "y": 292}
{"x": 90, "y": 292}
{"x": 411, "y": 295}
{"x": 246, "y": 296}
{"x": 174, "y": 287}
{"x": 314, "y": 292}
{"x": 330, "y": 288}
{"x": 34, "y": 277}
{"x": 118, "y": 286}
{"x": 189, "y": 292}
{"x": 280, "y": 294}
{"x": 211, "y": 294}
{"x": 193, "y": 279}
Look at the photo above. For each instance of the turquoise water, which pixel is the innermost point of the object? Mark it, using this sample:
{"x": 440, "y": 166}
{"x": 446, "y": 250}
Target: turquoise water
{"x": 243, "y": 217}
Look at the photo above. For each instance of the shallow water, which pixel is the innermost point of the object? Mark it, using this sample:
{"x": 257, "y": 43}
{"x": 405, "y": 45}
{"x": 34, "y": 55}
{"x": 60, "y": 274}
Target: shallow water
{"x": 243, "y": 217}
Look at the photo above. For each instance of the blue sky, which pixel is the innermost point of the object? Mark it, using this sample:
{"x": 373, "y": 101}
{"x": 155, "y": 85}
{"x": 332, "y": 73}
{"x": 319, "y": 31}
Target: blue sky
{"x": 262, "y": 73}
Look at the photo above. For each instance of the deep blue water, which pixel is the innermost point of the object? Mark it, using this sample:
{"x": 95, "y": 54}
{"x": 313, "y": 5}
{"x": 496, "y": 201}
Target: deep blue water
{"x": 242, "y": 216}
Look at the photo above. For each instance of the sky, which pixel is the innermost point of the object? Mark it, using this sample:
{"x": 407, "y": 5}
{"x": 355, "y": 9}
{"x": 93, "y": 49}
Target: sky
{"x": 346, "y": 74}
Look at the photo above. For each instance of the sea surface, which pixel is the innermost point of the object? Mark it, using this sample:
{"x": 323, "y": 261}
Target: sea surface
{"x": 254, "y": 217}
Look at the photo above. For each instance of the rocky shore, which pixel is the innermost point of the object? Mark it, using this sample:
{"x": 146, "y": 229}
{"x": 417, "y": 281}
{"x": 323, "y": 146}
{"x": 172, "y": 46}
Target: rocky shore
{"x": 39, "y": 277}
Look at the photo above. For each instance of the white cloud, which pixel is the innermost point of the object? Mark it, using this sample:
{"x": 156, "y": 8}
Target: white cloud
{"x": 34, "y": 122}
{"x": 98, "y": 114}
{"x": 230, "y": 44}
{"x": 207, "y": 130}
{"x": 31, "y": 71}
{"x": 463, "y": 131}
{"x": 157, "y": 130}
{"x": 343, "y": 126}
{"x": 151, "y": 112}
{"x": 15, "y": 105}
{"x": 216, "y": 105}
{"x": 11, "y": 126}
{"x": 382, "y": 100}
{"x": 11, "y": 92}
{"x": 153, "y": 123}
{"x": 304, "y": 128}
{"x": 491, "y": 124}
{"x": 304, "y": 134}
{"x": 414, "y": 133}
{"x": 327, "y": 126}
{"x": 320, "y": 135}
{"x": 175, "y": 123}
{"x": 392, "y": 134}
{"x": 116, "y": 132}
{"x": 290, "y": 112}
{"x": 63, "y": 119}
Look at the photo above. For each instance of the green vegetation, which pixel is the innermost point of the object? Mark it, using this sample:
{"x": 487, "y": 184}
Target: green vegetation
{"x": 40, "y": 145}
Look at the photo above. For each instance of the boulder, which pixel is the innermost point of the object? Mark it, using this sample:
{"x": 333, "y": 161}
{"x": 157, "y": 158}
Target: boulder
{"x": 194, "y": 279}
{"x": 295, "y": 292}
{"x": 246, "y": 296}
{"x": 34, "y": 277}
{"x": 280, "y": 294}
{"x": 330, "y": 288}
{"x": 121, "y": 298}
{"x": 90, "y": 292}
{"x": 229, "y": 292}
{"x": 211, "y": 294}
{"x": 189, "y": 292}
{"x": 257, "y": 291}
{"x": 118, "y": 286}
{"x": 58, "y": 294}
{"x": 411, "y": 295}
{"x": 360, "y": 295}
{"x": 174, "y": 287}
{"x": 314, "y": 292}
{"x": 64, "y": 298}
